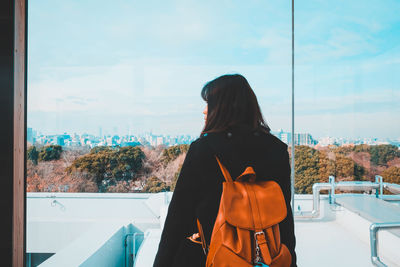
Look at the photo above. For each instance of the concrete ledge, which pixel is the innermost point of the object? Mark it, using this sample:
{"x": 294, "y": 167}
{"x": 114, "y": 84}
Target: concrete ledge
{"x": 371, "y": 208}
{"x": 104, "y": 238}
{"x": 148, "y": 249}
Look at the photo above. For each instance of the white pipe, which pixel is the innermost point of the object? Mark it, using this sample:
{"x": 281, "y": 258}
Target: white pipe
{"x": 357, "y": 185}
{"x": 378, "y": 185}
{"x": 373, "y": 230}
{"x": 317, "y": 187}
{"x": 390, "y": 197}
{"x": 394, "y": 188}
{"x": 346, "y": 185}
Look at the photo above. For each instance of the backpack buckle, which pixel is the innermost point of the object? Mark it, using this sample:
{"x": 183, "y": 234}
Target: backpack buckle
{"x": 259, "y": 233}
{"x": 258, "y": 258}
{"x": 260, "y": 238}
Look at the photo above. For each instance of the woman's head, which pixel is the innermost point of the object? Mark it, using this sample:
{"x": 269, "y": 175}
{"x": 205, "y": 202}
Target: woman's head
{"x": 231, "y": 101}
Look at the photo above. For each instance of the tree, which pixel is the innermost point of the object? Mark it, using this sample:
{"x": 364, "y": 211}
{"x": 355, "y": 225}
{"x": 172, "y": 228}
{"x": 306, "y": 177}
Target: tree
{"x": 381, "y": 154}
{"x": 80, "y": 182}
{"x": 305, "y": 181}
{"x": 97, "y": 149}
{"x": 340, "y": 165}
{"x": 306, "y": 169}
{"x": 50, "y": 176}
{"x": 51, "y": 152}
{"x": 343, "y": 150}
{"x": 155, "y": 185}
{"x": 110, "y": 165}
{"x": 34, "y": 183}
{"x": 362, "y": 148}
{"x": 391, "y": 175}
{"x": 33, "y": 155}
{"x": 344, "y": 167}
{"x": 121, "y": 187}
{"x": 326, "y": 166}
{"x": 171, "y": 153}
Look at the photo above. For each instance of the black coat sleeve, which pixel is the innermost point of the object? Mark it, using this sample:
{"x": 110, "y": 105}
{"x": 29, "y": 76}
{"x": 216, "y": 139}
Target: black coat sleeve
{"x": 287, "y": 225}
{"x": 180, "y": 218}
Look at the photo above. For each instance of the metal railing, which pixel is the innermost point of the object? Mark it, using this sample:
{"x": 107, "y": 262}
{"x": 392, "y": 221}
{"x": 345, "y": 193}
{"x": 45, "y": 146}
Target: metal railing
{"x": 393, "y": 188}
{"x": 373, "y": 230}
{"x": 317, "y": 187}
{"x": 362, "y": 186}
{"x": 132, "y": 255}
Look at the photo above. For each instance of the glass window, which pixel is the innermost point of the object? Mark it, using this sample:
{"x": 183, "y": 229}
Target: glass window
{"x": 346, "y": 91}
{"x": 114, "y": 102}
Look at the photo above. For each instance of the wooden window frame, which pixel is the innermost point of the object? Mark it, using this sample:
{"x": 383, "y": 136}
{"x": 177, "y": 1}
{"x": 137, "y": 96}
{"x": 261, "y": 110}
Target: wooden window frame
{"x": 19, "y": 143}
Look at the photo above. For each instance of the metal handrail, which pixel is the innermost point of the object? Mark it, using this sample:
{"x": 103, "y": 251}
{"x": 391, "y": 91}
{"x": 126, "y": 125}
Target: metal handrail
{"x": 378, "y": 186}
{"x": 332, "y": 186}
{"x": 373, "y": 230}
{"x": 393, "y": 188}
{"x": 317, "y": 187}
{"x": 134, "y": 245}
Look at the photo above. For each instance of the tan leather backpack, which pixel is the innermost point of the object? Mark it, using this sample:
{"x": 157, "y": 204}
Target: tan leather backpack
{"x": 246, "y": 231}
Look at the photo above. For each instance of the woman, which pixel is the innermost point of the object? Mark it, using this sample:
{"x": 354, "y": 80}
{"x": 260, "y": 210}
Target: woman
{"x": 236, "y": 132}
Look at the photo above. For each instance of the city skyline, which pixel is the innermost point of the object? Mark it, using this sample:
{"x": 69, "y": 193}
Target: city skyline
{"x": 154, "y": 139}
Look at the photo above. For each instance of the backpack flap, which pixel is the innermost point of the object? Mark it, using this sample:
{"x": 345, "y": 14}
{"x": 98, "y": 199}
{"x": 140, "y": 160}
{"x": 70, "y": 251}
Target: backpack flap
{"x": 253, "y": 206}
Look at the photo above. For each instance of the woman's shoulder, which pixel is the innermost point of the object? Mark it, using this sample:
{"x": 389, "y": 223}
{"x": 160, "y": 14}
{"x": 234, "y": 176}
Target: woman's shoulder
{"x": 206, "y": 146}
{"x": 261, "y": 137}
{"x": 276, "y": 141}
{"x": 201, "y": 144}
{"x": 199, "y": 147}
{"x": 200, "y": 155}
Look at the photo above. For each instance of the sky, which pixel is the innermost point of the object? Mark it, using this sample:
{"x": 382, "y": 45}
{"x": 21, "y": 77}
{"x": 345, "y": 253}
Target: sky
{"x": 138, "y": 66}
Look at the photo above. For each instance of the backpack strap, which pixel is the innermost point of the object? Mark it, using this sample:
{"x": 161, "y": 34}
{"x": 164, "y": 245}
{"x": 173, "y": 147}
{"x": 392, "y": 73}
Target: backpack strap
{"x": 202, "y": 238}
{"x": 262, "y": 244}
{"x": 224, "y": 171}
{"x": 200, "y": 234}
{"x": 259, "y": 235}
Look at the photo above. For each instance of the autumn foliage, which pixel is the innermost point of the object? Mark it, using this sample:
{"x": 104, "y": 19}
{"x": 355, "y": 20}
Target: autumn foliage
{"x": 156, "y": 169}
{"x": 106, "y": 169}
{"x": 345, "y": 163}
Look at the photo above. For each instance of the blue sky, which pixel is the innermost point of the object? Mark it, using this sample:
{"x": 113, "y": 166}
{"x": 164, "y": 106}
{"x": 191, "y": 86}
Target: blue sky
{"x": 140, "y": 65}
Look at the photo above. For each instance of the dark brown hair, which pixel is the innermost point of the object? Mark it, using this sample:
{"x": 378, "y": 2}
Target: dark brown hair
{"x": 231, "y": 101}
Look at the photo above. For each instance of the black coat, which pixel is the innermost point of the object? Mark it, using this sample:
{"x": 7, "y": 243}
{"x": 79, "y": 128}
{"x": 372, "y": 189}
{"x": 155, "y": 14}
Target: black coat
{"x": 199, "y": 187}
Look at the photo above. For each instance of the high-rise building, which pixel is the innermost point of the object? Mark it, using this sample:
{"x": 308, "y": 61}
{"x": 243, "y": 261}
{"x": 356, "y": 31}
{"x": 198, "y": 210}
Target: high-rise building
{"x": 159, "y": 140}
{"x": 29, "y": 135}
{"x": 60, "y": 140}
{"x": 304, "y": 139}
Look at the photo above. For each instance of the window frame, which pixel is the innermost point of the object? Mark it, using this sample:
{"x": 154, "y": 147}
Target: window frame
{"x": 19, "y": 133}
